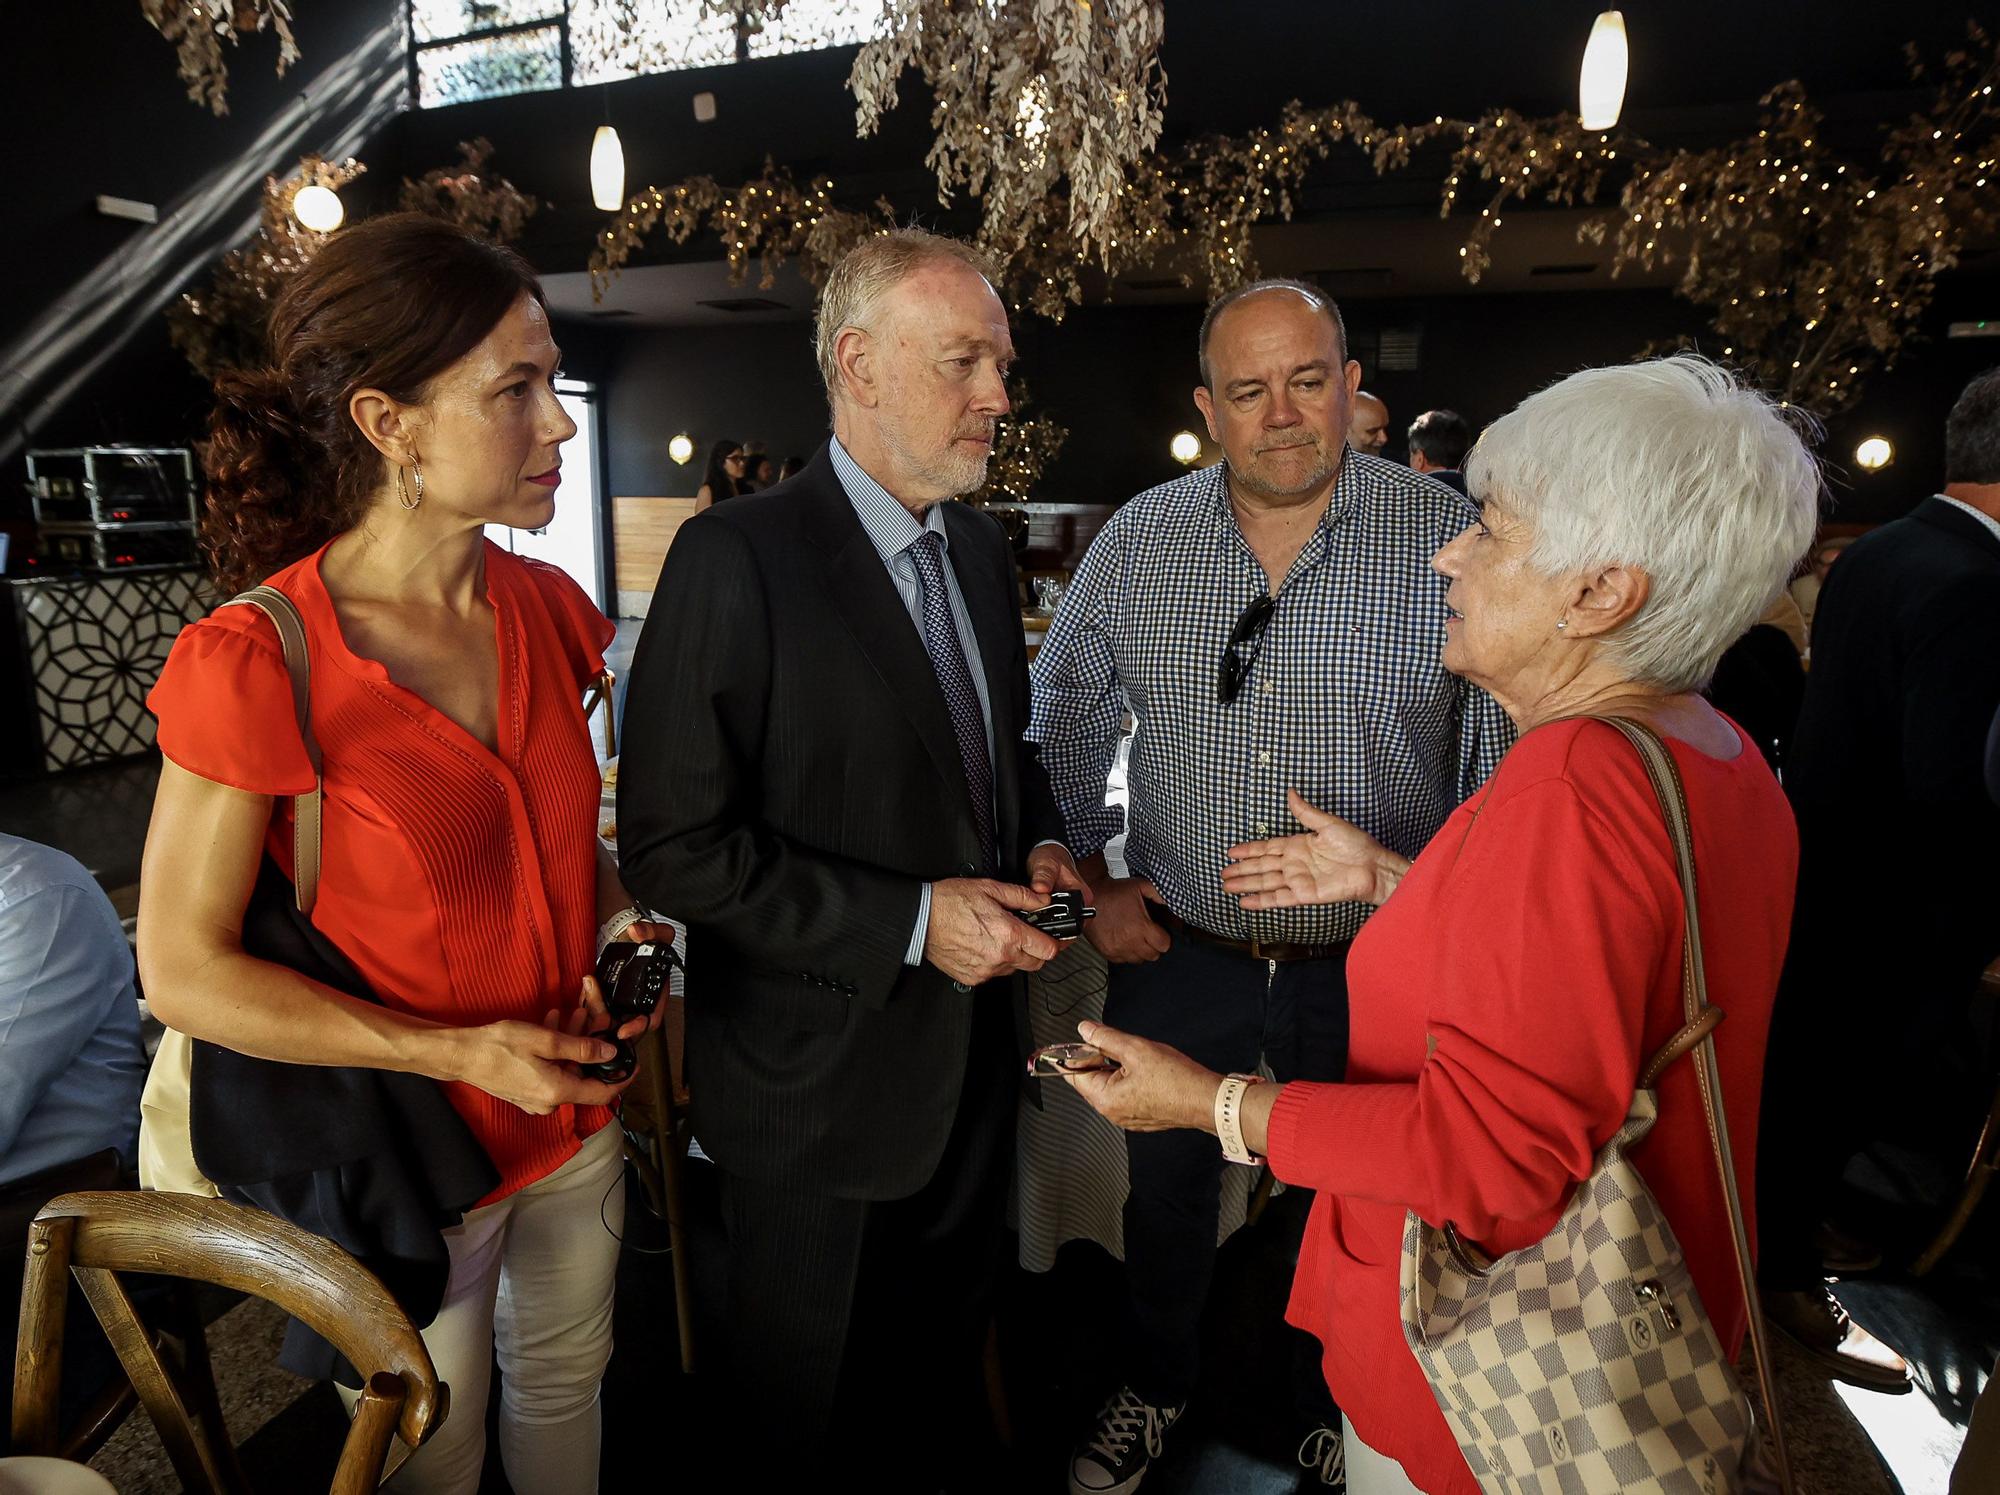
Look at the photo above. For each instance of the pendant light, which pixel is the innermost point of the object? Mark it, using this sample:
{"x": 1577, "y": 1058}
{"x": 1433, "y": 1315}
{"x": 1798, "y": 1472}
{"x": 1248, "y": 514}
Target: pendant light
{"x": 1601, "y": 90}
{"x": 318, "y": 208}
{"x": 607, "y": 170}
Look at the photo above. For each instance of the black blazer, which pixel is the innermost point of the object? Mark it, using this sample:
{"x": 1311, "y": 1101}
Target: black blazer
{"x": 789, "y": 778}
{"x": 1898, "y": 886}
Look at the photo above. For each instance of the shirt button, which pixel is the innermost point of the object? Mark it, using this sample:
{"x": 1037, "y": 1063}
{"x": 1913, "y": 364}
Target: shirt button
{"x": 1263, "y": 829}
{"x": 1263, "y": 757}
{"x": 1270, "y": 687}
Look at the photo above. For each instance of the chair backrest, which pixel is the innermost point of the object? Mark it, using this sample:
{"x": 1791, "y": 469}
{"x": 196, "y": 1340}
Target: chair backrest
{"x": 99, "y": 1235}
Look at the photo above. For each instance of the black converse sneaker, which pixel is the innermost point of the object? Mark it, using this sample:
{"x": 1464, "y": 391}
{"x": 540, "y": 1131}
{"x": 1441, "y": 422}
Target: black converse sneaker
{"x": 1128, "y": 1436}
{"x": 1324, "y": 1455}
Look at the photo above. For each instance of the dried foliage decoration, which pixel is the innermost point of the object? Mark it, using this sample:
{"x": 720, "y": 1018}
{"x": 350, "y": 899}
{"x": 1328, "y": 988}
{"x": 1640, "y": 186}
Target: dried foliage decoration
{"x": 492, "y": 207}
{"x": 1813, "y": 270}
{"x": 224, "y": 325}
{"x": 1027, "y": 95}
{"x": 1023, "y": 447}
{"x": 770, "y": 218}
{"x": 198, "y": 28}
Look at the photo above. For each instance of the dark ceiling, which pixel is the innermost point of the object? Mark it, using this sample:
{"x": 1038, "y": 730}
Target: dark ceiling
{"x": 1698, "y": 67}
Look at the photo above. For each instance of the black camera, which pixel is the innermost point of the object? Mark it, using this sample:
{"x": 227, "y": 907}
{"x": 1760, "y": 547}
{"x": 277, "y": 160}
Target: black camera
{"x": 1062, "y": 919}
{"x": 633, "y": 978}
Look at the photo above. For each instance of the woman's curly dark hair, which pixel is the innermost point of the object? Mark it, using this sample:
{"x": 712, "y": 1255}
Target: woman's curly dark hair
{"x": 388, "y": 304}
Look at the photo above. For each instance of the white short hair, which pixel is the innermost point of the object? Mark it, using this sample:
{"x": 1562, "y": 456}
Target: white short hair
{"x": 1670, "y": 465}
{"x": 865, "y": 274}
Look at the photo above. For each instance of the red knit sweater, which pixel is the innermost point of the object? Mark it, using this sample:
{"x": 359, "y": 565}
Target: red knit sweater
{"x": 461, "y": 883}
{"x": 1538, "y": 940}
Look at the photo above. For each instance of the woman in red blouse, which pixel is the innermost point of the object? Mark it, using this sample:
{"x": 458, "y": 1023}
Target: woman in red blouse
{"x": 1634, "y": 521}
{"x": 409, "y": 404}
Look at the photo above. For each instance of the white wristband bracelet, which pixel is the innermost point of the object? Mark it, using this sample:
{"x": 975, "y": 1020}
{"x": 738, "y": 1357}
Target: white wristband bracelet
{"x": 616, "y": 925}
{"x": 1229, "y": 1117}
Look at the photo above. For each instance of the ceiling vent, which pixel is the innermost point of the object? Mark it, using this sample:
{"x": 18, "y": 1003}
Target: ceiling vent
{"x": 1400, "y": 350}
{"x": 744, "y": 303}
{"x": 1583, "y": 269}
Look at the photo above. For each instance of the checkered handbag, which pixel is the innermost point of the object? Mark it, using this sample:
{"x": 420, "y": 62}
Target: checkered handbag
{"x": 1586, "y": 1362}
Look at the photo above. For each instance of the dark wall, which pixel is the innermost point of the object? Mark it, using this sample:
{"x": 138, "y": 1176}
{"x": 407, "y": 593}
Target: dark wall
{"x": 1122, "y": 380}
{"x": 101, "y": 111}
{"x": 751, "y": 384}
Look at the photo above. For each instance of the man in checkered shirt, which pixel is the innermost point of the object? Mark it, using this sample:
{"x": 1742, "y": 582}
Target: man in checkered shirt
{"x": 1274, "y": 624}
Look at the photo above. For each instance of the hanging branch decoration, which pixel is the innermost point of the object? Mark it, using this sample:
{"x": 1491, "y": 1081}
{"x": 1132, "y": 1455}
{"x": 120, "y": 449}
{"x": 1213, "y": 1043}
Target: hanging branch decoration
{"x": 770, "y": 218}
{"x": 198, "y": 28}
{"x": 223, "y": 326}
{"x": 1026, "y": 95}
{"x": 1813, "y": 271}
{"x": 1023, "y": 447}
{"x": 491, "y": 207}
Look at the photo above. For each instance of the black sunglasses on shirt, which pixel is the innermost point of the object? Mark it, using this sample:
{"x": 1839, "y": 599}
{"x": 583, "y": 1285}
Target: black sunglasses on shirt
{"x": 1239, "y": 655}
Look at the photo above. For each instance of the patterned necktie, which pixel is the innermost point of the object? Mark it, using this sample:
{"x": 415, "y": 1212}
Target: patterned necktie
{"x": 947, "y": 653}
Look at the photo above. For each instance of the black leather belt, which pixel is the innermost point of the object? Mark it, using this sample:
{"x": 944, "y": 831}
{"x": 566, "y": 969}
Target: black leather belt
{"x": 1255, "y": 949}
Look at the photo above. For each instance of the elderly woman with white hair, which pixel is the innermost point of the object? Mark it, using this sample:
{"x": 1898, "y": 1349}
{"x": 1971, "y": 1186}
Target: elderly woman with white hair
{"x": 1633, "y": 522}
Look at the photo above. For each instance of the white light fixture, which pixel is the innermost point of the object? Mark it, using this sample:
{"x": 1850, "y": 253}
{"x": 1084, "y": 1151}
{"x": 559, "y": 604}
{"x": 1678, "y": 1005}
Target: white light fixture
{"x": 607, "y": 170}
{"x": 704, "y": 108}
{"x": 1874, "y": 454}
{"x": 681, "y": 448}
{"x": 1601, "y": 91}
{"x": 318, "y": 208}
{"x": 1186, "y": 448}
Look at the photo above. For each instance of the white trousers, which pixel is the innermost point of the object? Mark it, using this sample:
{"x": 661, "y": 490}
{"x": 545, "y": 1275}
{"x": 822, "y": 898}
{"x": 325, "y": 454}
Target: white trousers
{"x": 1369, "y": 1472}
{"x": 531, "y": 1282}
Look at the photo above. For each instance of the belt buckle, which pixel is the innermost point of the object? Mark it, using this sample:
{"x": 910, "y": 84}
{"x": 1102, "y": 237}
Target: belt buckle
{"x": 1257, "y": 950}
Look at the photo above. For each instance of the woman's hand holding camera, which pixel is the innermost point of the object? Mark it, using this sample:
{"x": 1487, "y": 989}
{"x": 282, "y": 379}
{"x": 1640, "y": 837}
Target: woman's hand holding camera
{"x": 638, "y": 933}
{"x": 533, "y": 1065}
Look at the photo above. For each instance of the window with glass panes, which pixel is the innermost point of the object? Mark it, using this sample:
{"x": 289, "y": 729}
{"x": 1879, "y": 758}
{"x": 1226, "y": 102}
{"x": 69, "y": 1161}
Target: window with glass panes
{"x": 462, "y": 50}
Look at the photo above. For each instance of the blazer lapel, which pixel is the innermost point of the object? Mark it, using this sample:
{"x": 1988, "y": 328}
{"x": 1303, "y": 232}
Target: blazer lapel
{"x": 868, "y": 604}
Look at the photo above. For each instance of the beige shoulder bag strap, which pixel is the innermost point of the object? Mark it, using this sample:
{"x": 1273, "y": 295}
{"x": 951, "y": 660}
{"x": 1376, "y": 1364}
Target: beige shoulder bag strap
{"x": 1666, "y": 779}
{"x": 284, "y": 616}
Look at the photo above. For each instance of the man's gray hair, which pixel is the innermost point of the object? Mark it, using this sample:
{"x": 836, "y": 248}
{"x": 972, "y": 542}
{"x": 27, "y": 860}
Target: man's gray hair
{"x": 872, "y": 267}
{"x": 1972, "y": 433}
{"x": 1670, "y": 465}
{"x": 1312, "y": 293}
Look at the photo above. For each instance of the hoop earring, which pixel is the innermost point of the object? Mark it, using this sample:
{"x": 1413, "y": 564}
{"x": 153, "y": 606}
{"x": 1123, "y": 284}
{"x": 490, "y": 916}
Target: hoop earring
{"x": 403, "y": 491}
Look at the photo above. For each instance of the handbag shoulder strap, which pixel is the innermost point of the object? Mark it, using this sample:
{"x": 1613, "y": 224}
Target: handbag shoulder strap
{"x": 1666, "y": 781}
{"x": 284, "y": 616}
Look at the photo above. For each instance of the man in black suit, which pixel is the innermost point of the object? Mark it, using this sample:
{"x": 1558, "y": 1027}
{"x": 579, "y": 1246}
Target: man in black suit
{"x": 1899, "y": 890}
{"x": 824, "y": 774}
{"x": 1439, "y": 440}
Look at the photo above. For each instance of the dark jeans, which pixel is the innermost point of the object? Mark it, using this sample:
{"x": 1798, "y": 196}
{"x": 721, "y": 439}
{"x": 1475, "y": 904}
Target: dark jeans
{"x": 1222, "y": 1009}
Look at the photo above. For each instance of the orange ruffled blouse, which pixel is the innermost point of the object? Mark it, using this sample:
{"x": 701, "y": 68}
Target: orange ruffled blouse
{"x": 462, "y": 883}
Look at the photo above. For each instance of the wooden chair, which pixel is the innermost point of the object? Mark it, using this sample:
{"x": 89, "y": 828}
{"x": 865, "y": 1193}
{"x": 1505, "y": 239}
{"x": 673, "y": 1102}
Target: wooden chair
{"x": 1979, "y": 1173}
{"x": 100, "y": 1235}
{"x": 654, "y": 1114}
{"x": 601, "y": 693}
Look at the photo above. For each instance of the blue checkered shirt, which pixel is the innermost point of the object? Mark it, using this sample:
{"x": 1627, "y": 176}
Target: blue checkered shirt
{"x": 1347, "y": 701}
